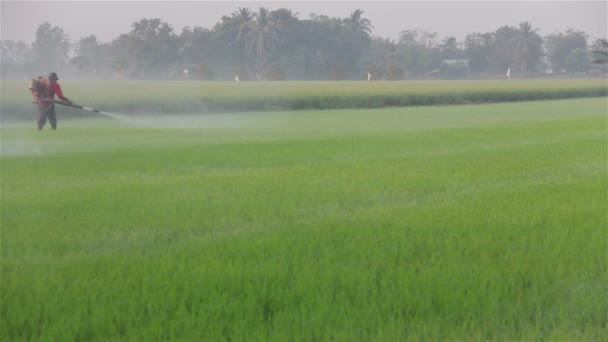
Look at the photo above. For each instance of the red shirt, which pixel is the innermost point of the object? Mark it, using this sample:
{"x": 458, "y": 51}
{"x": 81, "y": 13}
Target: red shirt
{"x": 55, "y": 89}
{"x": 52, "y": 90}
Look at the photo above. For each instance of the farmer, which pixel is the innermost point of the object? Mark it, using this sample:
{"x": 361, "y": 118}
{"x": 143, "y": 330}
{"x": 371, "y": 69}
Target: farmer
{"x": 44, "y": 90}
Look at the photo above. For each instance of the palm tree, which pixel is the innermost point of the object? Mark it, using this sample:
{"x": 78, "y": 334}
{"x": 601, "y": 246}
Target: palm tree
{"x": 242, "y": 16}
{"x": 360, "y": 25}
{"x": 527, "y": 37}
{"x": 261, "y": 34}
{"x": 243, "y": 13}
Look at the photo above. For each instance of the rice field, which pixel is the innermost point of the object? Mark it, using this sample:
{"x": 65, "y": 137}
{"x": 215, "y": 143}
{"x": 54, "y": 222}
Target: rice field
{"x": 470, "y": 222}
{"x": 137, "y": 97}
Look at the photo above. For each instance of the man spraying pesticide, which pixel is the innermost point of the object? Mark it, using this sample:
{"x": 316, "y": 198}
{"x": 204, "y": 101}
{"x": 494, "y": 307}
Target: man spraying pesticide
{"x": 44, "y": 91}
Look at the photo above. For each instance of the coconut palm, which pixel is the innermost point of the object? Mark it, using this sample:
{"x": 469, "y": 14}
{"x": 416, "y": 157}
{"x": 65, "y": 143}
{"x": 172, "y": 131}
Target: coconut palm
{"x": 260, "y": 34}
{"x": 242, "y": 17}
{"x": 244, "y": 14}
{"x": 358, "y": 24}
{"x": 527, "y": 40}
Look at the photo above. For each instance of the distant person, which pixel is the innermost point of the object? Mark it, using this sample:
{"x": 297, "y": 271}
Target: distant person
{"x": 509, "y": 73}
{"x": 44, "y": 91}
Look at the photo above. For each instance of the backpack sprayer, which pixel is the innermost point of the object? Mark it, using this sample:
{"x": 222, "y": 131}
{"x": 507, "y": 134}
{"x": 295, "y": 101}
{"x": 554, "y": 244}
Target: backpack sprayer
{"x": 39, "y": 86}
{"x": 114, "y": 116}
{"x": 69, "y": 104}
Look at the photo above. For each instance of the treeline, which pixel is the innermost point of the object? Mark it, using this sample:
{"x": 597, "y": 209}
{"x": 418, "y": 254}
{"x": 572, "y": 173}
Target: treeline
{"x": 277, "y": 45}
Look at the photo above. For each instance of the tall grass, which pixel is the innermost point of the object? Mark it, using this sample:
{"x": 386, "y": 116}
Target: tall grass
{"x": 196, "y": 97}
{"x": 435, "y": 223}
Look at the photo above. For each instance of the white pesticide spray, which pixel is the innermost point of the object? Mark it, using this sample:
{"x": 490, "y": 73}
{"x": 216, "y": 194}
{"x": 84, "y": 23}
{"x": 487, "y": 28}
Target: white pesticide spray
{"x": 112, "y": 115}
{"x": 174, "y": 122}
{"x": 69, "y": 104}
{"x": 116, "y": 116}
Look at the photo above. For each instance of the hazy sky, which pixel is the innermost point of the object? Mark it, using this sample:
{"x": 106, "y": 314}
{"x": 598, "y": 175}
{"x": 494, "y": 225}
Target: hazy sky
{"x": 108, "y": 19}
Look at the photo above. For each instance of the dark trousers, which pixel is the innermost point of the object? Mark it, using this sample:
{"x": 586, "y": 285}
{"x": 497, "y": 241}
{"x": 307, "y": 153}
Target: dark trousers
{"x": 47, "y": 113}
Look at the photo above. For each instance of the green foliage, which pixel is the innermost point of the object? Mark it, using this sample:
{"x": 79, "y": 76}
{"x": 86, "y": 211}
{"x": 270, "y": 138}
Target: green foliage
{"x": 50, "y": 48}
{"x": 16, "y": 58}
{"x": 479, "y": 50}
{"x": 529, "y": 47}
{"x": 577, "y": 61}
{"x": 560, "y": 45}
{"x": 153, "y": 47}
{"x": 315, "y": 48}
{"x": 89, "y": 49}
{"x": 418, "y": 52}
{"x": 428, "y": 223}
{"x": 600, "y": 51}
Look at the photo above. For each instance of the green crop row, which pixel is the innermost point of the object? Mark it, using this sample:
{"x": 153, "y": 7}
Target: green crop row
{"x": 204, "y": 97}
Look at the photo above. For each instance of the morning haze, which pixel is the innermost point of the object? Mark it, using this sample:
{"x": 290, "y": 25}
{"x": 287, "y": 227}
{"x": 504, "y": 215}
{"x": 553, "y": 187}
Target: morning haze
{"x": 377, "y": 171}
{"x": 347, "y": 40}
{"x": 107, "y": 19}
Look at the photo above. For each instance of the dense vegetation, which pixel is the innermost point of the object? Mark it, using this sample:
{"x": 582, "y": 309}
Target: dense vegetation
{"x": 483, "y": 222}
{"x": 280, "y": 44}
{"x": 146, "y": 97}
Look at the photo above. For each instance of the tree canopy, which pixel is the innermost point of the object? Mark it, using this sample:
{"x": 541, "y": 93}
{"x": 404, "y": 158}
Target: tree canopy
{"x": 280, "y": 44}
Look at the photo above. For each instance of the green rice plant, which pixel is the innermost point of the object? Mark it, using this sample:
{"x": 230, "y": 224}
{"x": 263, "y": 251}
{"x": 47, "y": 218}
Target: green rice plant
{"x": 472, "y": 222}
{"x": 148, "y": 97}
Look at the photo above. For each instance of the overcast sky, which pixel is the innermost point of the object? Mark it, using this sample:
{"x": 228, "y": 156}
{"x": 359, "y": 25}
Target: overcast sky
{"x": 108, "y": 19}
